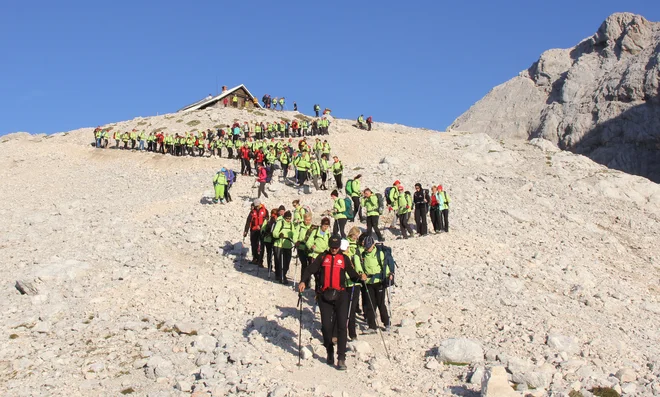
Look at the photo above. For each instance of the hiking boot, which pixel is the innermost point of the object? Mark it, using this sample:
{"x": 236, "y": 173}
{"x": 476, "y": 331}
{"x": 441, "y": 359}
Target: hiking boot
{"x": 387, "y": 328}
{"x": 369, "y": 331}
{"x": 330, "y": 359}
{"x": 353, "y": 338}
{"x": 341, "y": 365}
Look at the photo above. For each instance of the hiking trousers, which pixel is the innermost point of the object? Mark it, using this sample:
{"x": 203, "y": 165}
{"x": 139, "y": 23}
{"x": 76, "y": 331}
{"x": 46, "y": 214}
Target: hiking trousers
{"x": 353, "y": 305}
{"x": 444, "y": 220}
{"x": 338, "y": 180}
{"x": 302, "y": 177}
{"x": 255, "y": 239}
{"x": 334, "y": 314}
{"x": 267, "y": 248}
{"x": 403, "y": 222}
{"x": 436, "y": 220}
{"x": 420, "y": 219}
{"x": 377, "y": 294}
{"x": 282, "y": 262}
{"x": 357, "y": 207}
{"x": 304, "y": 262}
{"x": 262, "y": 190}
{"x": 339, "y": 226}
{"x": 315, "y": 181}
{"x": 372, "y": 224}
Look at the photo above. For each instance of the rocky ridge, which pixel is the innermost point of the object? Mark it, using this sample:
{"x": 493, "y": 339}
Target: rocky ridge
{"x": 600, "y": 98}
{"x": 118, "y": 278}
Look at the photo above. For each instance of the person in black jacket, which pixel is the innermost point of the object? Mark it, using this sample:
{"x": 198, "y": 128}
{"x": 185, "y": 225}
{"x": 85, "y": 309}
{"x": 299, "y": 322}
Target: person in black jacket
{"x": 333, "y": 268}
{"x": 421, "y": 199}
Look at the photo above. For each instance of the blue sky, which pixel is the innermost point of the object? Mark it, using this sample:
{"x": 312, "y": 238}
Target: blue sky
{"x": 73, "y": 64}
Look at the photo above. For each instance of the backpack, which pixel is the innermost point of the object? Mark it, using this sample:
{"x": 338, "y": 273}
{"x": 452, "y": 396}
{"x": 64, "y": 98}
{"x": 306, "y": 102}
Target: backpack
{"x": 269, "y": 173}
{"x": 387, "y": 195}
{"x": 311, "y": 230}
{"x": 381, "y": 203}
{"x": 349, "y": 208}
{"x": 270, "y": 226}
{"x": 349, "y": 187}
{"x": 390, "y": 263}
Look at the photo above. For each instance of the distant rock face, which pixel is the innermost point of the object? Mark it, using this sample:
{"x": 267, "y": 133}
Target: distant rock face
{"x": 600, "y": 98}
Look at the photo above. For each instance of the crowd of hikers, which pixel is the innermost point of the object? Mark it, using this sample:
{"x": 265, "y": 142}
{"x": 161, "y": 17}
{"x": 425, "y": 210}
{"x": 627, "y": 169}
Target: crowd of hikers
{"x": 343, "y": 266}
{"x": 211, "y": 142}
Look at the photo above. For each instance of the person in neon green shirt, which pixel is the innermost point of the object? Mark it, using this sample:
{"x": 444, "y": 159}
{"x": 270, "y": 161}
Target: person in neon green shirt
{"x": 220, "y": 184}
{"x": 285, "y": 235}
{"x": 338, "y": 212}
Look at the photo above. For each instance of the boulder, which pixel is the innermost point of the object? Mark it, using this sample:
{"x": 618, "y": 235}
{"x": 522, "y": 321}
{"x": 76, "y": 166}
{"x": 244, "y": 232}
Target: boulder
{"x": 562, "y": 343}
{"x": 496, "y": 384}
{"x": 460, "y": 351}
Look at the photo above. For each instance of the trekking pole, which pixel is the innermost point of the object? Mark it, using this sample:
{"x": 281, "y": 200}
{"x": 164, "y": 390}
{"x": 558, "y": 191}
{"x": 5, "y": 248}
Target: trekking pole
{"x": 389, "y": 305}
{"x": 373, "y": 310}
{"x": 295, "y": 273}
{"x": 350, "y": 304}
{"x": 300, "y": 303}
{"x": 281, "y": 266}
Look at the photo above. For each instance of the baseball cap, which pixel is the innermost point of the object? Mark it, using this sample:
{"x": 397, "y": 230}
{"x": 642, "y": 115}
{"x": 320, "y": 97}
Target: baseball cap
{"x": 335, "y": 242}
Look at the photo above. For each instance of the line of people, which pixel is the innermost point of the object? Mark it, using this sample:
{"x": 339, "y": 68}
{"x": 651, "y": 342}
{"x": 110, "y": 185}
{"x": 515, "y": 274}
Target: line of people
{"x": 341, "y": 273}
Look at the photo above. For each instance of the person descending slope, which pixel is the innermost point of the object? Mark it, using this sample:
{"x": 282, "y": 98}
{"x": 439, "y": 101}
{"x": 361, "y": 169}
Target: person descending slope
{"x": 372, "y": 207}
{"x": 256, "y": 218}
{"x": 267, "y": 239}
{"x": 444, "y": 208}
{"x": 353, "y": 190}
{"x": 404, "y": 205}
{"x": 219, "y": 184}
{"x": 421, "y": 199}
{"x": 334, "y": 268}
{"x": 379, "y": 275}
{"x": 353, "y": 252}
{"x": 262, "y": 179}
{"x": 339, "y": 212}
{"x": 303, "y": 228}
{"x": 392, "y": 198}
{"x": 317, "y": 240}
{"x": 337, "y": 170}
{"x": 285, "y": 236}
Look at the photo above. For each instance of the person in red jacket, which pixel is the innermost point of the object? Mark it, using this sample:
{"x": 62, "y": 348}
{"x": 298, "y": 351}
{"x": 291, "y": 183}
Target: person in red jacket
{"x": 255, "y": 219}
{"x": 245, "y": 159}
{"x": 260, "y": 157}
{"x": 262, "y": 178}
{"x": 369, "y": 122}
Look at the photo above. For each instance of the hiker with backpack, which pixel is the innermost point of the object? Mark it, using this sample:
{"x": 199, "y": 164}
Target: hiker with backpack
{"x": 340, "y": 211}
{"x": 231, "y": 178}
{"x": 302, "y": 250}
{"x": 392, "y": 198}
{"x": 325, "y": 166}
{"x": 353, "y": 252}
{"x": 219, "y": 185}
{"x": 353, "y": 190}
{"x": 435, "y": 210}
{"x": 317, "y": 109}
{"x": 299, "y": 212}
{"x": 267, "y": 239}
{"x": 404, "y": 207}
{"x": 379, "y": 276}
{"x": 285, "y": 236}
{"x": 373, "y": 205}
{"x": 337, "y": 170}
{"x": 421, "y": 199}
{"x": 317, "y": 238}
{"x": 255, "y": 220}
{"x": 262, "y": 178}
{"x": 369, "y": 122}
{"x": 315, "y": 172}
{"x": 285, "y": 160}
{"x": 444, "y": 209}
{"x": 334, "y": 268}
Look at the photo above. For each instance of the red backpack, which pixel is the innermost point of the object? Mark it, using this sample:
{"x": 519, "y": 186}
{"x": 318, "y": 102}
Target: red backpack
{"x": 333, "y": 266}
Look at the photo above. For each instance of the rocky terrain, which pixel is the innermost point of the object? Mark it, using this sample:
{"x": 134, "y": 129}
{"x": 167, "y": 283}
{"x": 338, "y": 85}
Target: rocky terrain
{"x": 118, "y": 278}
{"x": 600, "y": 98}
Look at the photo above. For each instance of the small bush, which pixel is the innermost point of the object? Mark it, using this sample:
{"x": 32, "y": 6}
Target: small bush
{"x": 179, "y": 121}
{"x": 142, "y": 123}
{"x": 604, "y": 392}
{"x": 13, "y": 336}
{"x": 128, "y": 391}
{"x": 193, "y": 123}
{"x": 575, "y": 393}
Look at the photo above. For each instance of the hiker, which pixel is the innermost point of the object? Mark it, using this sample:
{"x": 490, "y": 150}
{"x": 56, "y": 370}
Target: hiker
{"x": 379, "y": 276}
{"x": 285, "y": 160}
{"x": 295, "y": 106}
{"x": 353, "y": 252}
{"x": 317, "y": 241}
{"x": 255, "y": 221}
{"x": 302, "y": 166}
{"x": 219, "y": 184}
{"x": 404, "y": 207}
{"x": 353, "y": 190}
{"x": 262, "y": 179}
{"x": 304, "y": 229}
{"x": 339, "y": 211}
{"x": 315, "y": 171}
{"x": 298, "y": 212}
{"x": 369, "y": 122}
{"x": 325, "y": 166}
{"x": 285, "y": 235}
{"x": 372, "y": 209}
{"x": 337, "y": 170}
{"x": 421, "y": 199}
{"x": 234, "y": 101}
{"x": 267, "y": 238}
{"x": 317, "y": 109}
{"x": 231, "y": 178}
{"x": 435, "y": 209}
{"x": 334, "y": 267}
{"x": 360, "y": 122}
{"x": 282, "y": 103}
{"x": 392, "y": 198}
{"x": 444, "y": 209}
